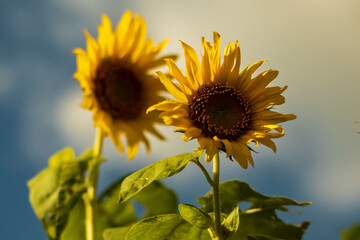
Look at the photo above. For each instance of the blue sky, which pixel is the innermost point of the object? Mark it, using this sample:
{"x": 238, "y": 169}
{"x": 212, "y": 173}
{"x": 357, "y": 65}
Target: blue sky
{"x": 314, "y": 44}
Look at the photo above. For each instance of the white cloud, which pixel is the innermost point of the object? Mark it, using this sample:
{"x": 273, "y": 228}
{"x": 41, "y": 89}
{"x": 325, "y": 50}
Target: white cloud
{"x": 73, "y": 124}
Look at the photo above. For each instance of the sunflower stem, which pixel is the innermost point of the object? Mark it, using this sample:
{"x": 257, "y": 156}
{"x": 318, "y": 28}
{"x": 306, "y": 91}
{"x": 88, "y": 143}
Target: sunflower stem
{"x": 216, "y": 196}
{"x": 92, "y": 180}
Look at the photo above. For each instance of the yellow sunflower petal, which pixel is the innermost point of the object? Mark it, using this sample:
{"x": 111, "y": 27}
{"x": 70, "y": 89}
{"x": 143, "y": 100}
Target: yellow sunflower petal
{"x": 172, "y": 89}
{"x": 192, "y": 66}
{"x": 92, "y": 48}
{"x": 176, "y": 113}
{"x": 106, "y": 37}
{"x": 211, "y": 149}
{"x": 272, "y": 117}
{"x": 229, "y": 58}
{"x": 139, "y": 40}
{"x": 120, "y": 32}
{"x": 215, "y": 53}
{"x": 117, "y": 141}
{"x": 206, "y": 72}
{"x": 192, "y": 132}
{"x": 185, "y": 85}
{"x": 166, "y": 105}
{"x": 228, "y": 147}
{"x": 203, "y": 141}
{"x": 240, "y": 156}
{"x": 262, "y": 80}
{"x": 83, "y": 62}
{"x": 246, "y": 75}
{"x": 268, "y": 143}
{"x": 184, "y": 123}
{"x": 234, "y": 74}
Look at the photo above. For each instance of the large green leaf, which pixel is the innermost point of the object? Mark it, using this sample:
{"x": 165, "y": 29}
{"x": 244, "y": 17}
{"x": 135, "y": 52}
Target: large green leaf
{"x": 116, "y": 218}
{"x": 260, "y": 220}
{"x": 195, "y": 216}
{"x": 158, "y": 170}
{"x": 75, "y": 227}
{"x": 56, "y": 189}
{"x": 157, "y": 199}
{"x": 266, "y": 223}
{"x": 113, "y": 213}
{"x": 116, "y": 233}
{"x": 165, "y": 227}
{"x": 234, "y": 192}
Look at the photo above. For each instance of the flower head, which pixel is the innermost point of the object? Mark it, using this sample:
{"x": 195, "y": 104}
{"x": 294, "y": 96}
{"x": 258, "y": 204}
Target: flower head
{"x": 113, "y": 72}
{"x": 221, "y": 107}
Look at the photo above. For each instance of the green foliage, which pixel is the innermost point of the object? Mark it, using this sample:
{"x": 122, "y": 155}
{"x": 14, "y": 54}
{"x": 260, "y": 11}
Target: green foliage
{"x": 158, "y": 170}
{"x": 114, "y": 219}
{"x": 75, "y": 227}
{"x": 352, "y": 233}
{"x": 234, "y": 192}
{"x": 56, "y": 190}
{"x": 165, "y": 227}
{"x": 231, "y": 223}
{"x": 195, "y": 216}
{"x": 56, "y": 196}
{"x": 261, "y": 237}
{"x": 157, "y": 199}
{"x": 116, "y": 233}
{"x": 260, "y": 220}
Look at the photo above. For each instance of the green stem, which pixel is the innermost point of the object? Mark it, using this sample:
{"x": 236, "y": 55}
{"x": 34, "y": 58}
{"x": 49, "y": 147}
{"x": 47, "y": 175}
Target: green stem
{"x": 92, "y": 179}
{"x": 216, "y": 196}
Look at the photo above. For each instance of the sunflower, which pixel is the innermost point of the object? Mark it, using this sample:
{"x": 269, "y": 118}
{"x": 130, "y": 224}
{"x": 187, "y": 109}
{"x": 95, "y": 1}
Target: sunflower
{"x": 117, "y": 86}
{"x": 222, "y": 108}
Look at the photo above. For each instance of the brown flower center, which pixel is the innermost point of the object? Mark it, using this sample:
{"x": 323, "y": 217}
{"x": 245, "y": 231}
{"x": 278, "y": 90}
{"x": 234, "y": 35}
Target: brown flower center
{"x": 220, "y": 111}
{"x": 118, "y": 89}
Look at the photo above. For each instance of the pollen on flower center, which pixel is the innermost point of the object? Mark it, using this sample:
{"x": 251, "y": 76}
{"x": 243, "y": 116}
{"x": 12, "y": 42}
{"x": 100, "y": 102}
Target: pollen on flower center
{"x": 221, "y": 111}
{"x": 118, "y": 89}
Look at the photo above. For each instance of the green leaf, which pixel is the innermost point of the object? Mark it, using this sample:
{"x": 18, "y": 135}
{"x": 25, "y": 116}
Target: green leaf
{"x": 158, "y": 170}
{"x": 155, "y": 228}
{"x": 234, "y": 192}
{"x": 113, "y": 213}
{"x": 261, "y": 217}
{"x": 157, "y": 199}
{"x": 116, "y": 233}
{"x": 195, "y": 216}
{"x": 75, "y": 227}
{"x": 56, "y": 190}
{"x": 166, "y": 227}
{"x": 64, "y": 155}
{"x": 266, "y": 223}
{"x": 352, "y": 233}
{"x": 231, "y": 223}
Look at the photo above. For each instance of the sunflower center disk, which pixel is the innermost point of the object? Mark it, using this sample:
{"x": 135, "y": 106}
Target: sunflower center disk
{"x": 220, "y": 111}
{"x": 118, "y": 89}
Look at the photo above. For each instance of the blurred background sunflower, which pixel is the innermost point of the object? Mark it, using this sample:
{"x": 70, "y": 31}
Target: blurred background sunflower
{"x": 113, "y": 73}
{"x": 313, "y": 43}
